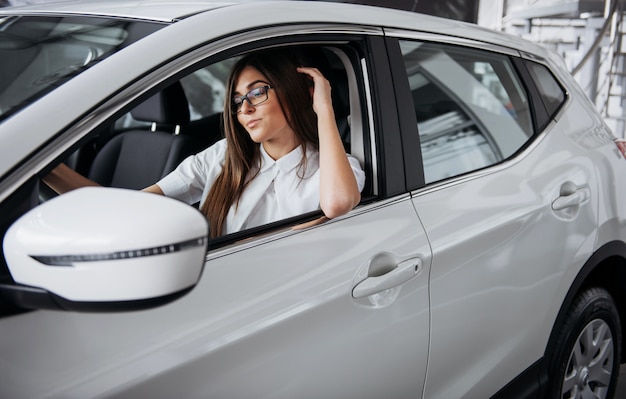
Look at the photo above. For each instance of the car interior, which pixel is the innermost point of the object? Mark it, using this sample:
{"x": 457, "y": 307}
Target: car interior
{"x": 149, "y": 141}
{"x": 136, "y": 158}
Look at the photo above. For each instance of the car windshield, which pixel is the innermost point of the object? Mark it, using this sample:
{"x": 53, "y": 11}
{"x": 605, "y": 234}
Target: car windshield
{"x": 40, "y": 53}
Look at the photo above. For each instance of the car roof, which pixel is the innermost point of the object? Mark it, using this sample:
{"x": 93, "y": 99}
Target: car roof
{"x": 157, "y": 10}
{"x": 315, "y": 11}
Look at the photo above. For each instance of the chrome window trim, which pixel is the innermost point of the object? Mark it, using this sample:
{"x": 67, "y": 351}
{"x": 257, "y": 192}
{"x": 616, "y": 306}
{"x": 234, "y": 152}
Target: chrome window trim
{"x": 86, "y": 14}
{"x": 532, "y": 57}
{"x": 439, "y": 38}
{"x": 372, "y": 129}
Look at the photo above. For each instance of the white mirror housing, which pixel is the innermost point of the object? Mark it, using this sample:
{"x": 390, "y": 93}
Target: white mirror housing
{"x": 99, "y": 248}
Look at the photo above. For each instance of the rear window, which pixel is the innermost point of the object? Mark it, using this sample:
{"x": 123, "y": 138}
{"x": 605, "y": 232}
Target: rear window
{"x": 551, "y": 92}
{"x": 40, "y": 53}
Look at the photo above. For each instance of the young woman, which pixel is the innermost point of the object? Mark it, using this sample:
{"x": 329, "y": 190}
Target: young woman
{"x": 282, "y": 155}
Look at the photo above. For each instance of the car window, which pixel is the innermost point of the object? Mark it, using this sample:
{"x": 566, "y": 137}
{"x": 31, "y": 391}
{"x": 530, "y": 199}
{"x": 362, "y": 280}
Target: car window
{"x": 471, "y": 108}
{"x": 550, "y": 90}
{"x": 205, "y": 90}
{"x": 39, "y": 53}
{"x": 185, "y": 117}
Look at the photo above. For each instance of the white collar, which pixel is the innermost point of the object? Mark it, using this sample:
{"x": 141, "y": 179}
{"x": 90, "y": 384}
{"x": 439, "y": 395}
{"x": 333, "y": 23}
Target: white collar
{"x": 285, "y": 163}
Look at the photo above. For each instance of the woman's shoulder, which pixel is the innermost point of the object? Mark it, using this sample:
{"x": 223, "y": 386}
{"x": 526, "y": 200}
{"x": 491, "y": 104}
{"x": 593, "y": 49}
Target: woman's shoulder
{"x": 210, "y": 157}
{"x": 216, "y": 149}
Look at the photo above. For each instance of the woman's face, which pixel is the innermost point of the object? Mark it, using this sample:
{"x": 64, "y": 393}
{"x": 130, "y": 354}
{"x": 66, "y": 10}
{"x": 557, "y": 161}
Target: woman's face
{"x": 265, "y": 123}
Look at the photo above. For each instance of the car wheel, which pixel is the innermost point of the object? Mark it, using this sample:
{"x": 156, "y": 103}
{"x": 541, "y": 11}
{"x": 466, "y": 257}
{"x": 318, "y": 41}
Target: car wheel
{"x": 586, "y": 357}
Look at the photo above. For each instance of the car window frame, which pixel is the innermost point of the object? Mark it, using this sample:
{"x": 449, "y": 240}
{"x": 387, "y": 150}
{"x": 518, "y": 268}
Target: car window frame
{"x": 380, "y": 150}
{"x": 355, "y": 41}
{"x": 406, "y": 111}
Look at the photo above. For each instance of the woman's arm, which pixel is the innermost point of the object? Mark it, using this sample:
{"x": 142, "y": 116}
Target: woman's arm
{"x": 154, "y": 189}
{"x": 339, "y": 192}
{"x": 63, "y": 179}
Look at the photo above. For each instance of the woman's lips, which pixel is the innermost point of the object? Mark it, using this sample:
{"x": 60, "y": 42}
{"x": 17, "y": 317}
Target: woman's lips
{"x": 252, "y": 123}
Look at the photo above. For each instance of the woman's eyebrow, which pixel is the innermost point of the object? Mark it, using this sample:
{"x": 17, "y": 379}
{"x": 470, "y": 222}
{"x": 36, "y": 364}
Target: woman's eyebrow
{"x": 251, "y": 84}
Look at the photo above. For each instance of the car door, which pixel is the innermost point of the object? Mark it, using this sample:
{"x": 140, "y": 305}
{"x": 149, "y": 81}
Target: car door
{"x": 332, "y": 309}
{"x": 278, "y": 317}
{"x": 507, "y": 207}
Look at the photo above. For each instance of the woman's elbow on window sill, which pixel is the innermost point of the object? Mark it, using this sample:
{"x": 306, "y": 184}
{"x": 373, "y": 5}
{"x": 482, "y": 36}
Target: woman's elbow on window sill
{"x": 334, "y": 209}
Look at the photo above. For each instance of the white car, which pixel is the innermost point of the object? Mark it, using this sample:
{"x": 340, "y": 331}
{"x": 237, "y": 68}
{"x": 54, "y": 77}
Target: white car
{"x": 487, "y": 257}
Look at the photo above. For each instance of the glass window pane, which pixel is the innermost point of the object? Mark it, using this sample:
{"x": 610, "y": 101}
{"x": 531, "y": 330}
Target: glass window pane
{"x": 471, "y": 109}
{"x": 40, "y": 53}
{"x": 551, "y": 92}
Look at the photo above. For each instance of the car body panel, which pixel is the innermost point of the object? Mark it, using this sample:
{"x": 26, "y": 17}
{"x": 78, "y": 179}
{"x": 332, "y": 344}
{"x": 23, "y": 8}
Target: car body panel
{"x": 155, "y": 10}
{"x": 496, "y": 247}
{"x": 592, "y": 134}
{"x": 275, "y": 312}
{"x": 496, "y": 226}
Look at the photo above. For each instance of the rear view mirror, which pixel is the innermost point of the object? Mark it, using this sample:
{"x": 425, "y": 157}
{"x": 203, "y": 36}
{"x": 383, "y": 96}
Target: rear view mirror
{"x": 104, "y": 249}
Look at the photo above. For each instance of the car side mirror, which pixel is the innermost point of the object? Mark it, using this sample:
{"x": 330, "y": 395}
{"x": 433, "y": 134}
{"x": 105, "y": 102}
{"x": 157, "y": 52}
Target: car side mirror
{"x": 104, "y": 249}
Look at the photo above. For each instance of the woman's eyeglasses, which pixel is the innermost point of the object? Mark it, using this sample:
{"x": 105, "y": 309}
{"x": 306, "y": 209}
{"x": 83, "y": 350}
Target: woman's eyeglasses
{"x": 253, "y": 97}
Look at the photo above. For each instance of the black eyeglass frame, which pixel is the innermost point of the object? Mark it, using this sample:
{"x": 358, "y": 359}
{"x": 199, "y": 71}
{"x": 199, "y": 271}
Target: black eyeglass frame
{"x": 237, "y": 102}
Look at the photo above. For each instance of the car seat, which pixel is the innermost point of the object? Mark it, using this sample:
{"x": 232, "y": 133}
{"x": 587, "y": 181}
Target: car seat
{"x": 138, "y": 158}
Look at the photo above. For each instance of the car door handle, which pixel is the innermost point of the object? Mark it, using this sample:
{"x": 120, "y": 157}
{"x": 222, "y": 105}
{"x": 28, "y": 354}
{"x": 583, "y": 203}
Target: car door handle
{"x": 400, "y": 274}
{"x": 575, "y": 198}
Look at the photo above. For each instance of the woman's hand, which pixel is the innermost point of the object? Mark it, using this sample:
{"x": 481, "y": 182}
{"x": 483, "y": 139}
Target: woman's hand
{"x": 322, "y": 100}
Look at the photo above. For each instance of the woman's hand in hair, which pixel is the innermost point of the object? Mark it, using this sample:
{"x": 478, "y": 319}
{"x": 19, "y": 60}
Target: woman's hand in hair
{"x": 339, "y": 192}
{"x": 320, "y": 91}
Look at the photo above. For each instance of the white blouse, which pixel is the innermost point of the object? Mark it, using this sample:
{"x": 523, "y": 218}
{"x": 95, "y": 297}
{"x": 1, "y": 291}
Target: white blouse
{"x": 280, "y": 190}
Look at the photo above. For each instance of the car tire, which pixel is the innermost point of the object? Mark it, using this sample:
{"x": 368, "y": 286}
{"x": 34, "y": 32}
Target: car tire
{"x": 586, "y": 357}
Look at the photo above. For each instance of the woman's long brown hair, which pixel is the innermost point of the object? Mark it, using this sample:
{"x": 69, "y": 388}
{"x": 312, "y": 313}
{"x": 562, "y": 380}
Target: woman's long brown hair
{"x": 243, "y": 154}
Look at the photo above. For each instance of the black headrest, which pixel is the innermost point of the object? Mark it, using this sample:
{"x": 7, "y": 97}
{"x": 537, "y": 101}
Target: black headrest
{"x": 168, "y": 107}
